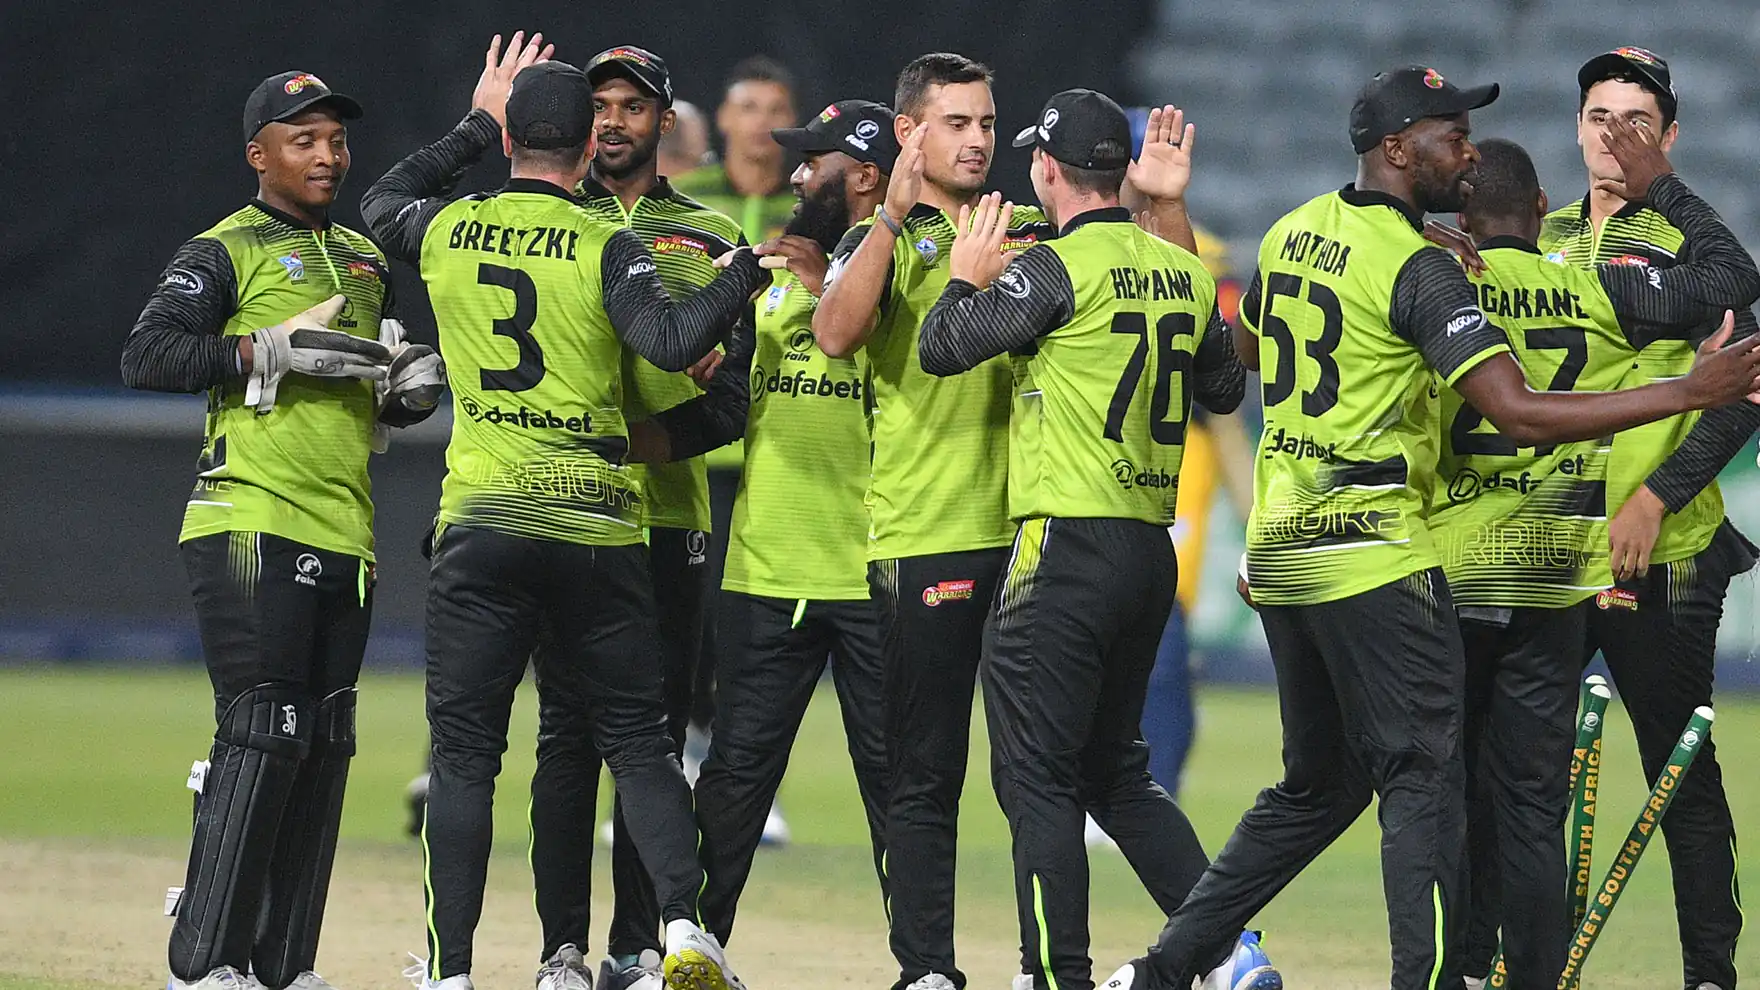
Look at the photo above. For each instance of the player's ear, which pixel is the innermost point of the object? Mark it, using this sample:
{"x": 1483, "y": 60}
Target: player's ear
{"x": 255, "y": 157}
{"x": 1542, "y": 204}
{"x": 668, "y": 120}
{"x": 1393, "y": 148}
{"x": 902, "y": 127}
{"x": 1669, "y": 133}
{"x": 864, "y": 178}
{"x": 506, "y": 143}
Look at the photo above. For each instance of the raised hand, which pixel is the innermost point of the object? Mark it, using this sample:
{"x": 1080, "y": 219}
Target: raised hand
{"x": 499, "y": 69}
{"x": 907, "y": 176}
{"x": 977, "y": 242}
{"x": 1163, "y": 167}
{"x": 1640, "y": 158}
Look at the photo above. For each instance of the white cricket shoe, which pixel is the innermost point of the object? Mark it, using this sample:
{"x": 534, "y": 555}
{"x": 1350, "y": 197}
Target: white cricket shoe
{"x": 417, "y": 975}
{"x": 695, "y": 960}
{"x": 566, "y": 970}
{"x": 644, "y": 975}
{"x": 1021, "y": 981}
{"x": 1120, "y": 980}
{"x": 933, "y": 981}
{"x": 1475, "y": 982}
{"x": 309, "y": 980}
{"x": 776, "y": 831}
{"x": 1095, "y": 836}
{"x": 224, "y": 978}
{"x": 1246, "y": 968}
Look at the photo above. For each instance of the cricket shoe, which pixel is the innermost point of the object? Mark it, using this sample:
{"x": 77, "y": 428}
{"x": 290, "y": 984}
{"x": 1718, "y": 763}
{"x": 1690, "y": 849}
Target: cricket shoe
{"x": 417, "y": 975}
{"x": 1021, "y": 981}
{"x": 566, "y": 970}
{"x": 224, "y": 978}
{"x": 415, "y": 798}
{"x": 1095, "y": 837}
{"x": 1246, "y": 968}
{"x": 1475, "y": 982}
{"x": 309, "y": 980}
{"x": 1124, "y": 979}
{"x": 776, "y": 832}
{"x": 643, "y": 975}
{"x": 935, "y": 981}
{"x": 695, "y": 960}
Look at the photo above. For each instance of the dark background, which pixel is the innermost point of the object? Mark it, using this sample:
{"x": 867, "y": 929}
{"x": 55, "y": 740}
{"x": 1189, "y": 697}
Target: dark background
{"x": 127, "y": 139}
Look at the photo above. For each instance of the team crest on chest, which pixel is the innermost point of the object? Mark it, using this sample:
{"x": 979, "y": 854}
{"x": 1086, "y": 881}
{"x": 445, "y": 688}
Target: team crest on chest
{"x": 296, "y": 268}
{"x": 929, "y": 250}
{"x": 773, "y": 298}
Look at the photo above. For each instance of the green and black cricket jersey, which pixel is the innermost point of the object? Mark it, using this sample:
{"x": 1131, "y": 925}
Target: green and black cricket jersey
{"x": 799, "y": 524}
{"x": 939, "y": 480}
{"x": 535, "y": 299}
{"x": 1352, "y": 309}
{"x": 1638, "y": 235}
{"x": 759, "y": 217}
{"x": 1528, "y": 526}
{"x": 684, "y": 237}
{"x": 300, "y": 471}
{"x": 1112, "y": 333}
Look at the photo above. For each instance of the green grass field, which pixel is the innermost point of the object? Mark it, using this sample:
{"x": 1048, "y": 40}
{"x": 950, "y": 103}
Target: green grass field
{"x": 94, "y": 818}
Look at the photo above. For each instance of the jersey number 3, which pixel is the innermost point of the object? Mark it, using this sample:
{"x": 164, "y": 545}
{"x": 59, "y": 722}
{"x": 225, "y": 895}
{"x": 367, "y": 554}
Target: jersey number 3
{"x": 530, "y": 369}
{"x": 1281, "y": 383}
{"x": 1168, "y": 360}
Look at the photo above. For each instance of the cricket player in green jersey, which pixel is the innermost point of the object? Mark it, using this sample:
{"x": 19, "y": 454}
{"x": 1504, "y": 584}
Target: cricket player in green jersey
{"x": 540, "y": 523}
{"x": 1673, "y": 551}
{"x": 1351, "y": 312}
{"x": 1112, "y": 333}
{"x": 632, "y": 96}
{"x": 795, "y": 590}
{"x": 750, "y": 182}
{"x": 276, "y": 313}
{"x": 1522, "y": 532}
{"x": 938, "y": 526}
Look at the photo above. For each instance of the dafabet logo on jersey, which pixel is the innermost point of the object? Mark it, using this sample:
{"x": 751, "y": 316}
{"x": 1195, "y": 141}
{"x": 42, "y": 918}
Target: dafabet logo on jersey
{"x": 1128, "y": 477}
{"x": 948, "y": 591}
{"x": 766, "y": 382}
{"x": 526, "y": 419}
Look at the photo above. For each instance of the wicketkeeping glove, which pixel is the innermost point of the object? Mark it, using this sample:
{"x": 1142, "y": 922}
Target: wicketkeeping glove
{"x": 304, "y": 344}
{"x": 415, "y": 380}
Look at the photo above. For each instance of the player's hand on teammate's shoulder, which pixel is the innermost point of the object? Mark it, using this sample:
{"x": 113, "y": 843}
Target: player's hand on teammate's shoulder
{"x": 704, "y": 369}
{"x": 1456, "y": 241}
{"x": 801, "y": 255}
{"x": 1722, "y": 375}
{"x": 977, "y": 241}
{"x": 1163, "y": 167}
{"x": 499, "y": 69}
{"x": 1641, "y": 159}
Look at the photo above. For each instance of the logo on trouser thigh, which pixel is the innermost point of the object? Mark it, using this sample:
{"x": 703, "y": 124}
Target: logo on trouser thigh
{"x": 1614, "y": 598}
{"x": 696, "y": 546}
{"x": 948, "y": 591}
{"x": 307, "y": 568}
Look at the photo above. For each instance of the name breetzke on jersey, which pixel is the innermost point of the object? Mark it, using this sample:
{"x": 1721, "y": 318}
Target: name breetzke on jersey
{"x": 1528, "y": 526}
{"x": 1639, "y": 234}
{"x": 1112, "y": 332}
{"x": 299, "y": 472}
{"x": 1352, "y": 308}
{"x": 684, "y": 237}
{"x": 939, "y": 477}
{"x": 535, "y": 299}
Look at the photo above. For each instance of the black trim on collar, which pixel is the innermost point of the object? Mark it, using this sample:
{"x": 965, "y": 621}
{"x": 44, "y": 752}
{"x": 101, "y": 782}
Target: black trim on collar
{"x": 1625, "y": 212}
{"x": 1370, "y": 197}
{"x": 1509, "y": 241}
{"x": 288, "y": 218}
{"x": 1100, "y": 214}
{"x": 536, "y": 186}
{"x": 661, "y": 189}
{"x": 923, "y": 211}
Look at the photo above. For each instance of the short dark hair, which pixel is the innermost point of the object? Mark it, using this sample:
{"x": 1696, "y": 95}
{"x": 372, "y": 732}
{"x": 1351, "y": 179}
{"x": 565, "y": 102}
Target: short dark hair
{"x": 1505, "y": 184}
{"x": 559, "y": 159}
{"x": 934, "y": 69}
{"x": 1105, "y": 181}
{"x": 761, "y": 68}
{"x": 1664, "y": 101}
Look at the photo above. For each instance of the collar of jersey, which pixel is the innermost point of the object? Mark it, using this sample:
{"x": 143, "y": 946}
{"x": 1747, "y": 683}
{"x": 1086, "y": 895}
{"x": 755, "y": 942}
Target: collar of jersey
{"x": 1625, "y": 212}
{"x": 1102, "y": 214}
{"x": 594, "y": 189}
{"x": 1368, "y": 197}
{"x": 1508, "y": 241}
{"x": 536, "y": 186}
{"x": 288, "y": 218}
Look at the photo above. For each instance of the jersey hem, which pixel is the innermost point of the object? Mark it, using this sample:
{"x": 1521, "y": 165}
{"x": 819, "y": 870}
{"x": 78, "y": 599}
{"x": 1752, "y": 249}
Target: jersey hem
{"x": 796, "y": 594}
{"x": 877, "y": 550}
{"x": 346, "y": 549}
{"x": 1338, "y": 594}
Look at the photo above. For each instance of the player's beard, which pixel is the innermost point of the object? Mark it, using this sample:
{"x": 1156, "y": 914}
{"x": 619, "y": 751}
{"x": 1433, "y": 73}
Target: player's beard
{"x": 1440, "y": 190}
{"x": 822, "y": 216}
{"x": 640, "y": 156}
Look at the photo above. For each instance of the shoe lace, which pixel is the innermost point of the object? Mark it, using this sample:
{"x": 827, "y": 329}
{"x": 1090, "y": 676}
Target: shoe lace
{"x": 417, "y": 972}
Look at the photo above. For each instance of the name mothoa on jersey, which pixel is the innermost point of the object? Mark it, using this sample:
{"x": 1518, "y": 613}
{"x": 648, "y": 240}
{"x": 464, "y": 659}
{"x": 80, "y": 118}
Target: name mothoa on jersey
{"x": 1316, "y": 251}
{"x": 558, "y": 243}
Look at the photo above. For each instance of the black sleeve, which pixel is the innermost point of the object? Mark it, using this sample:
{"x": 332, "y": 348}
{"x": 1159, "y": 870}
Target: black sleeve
{"x": 1653, "y": 303}
{"x": 671, "y": 335}
{"x": 1435, "y": 308}
{"x": 1219, "y": 380}
{"x": 1712, "y": 443}
{"x": 1032, "y": 297}
{"x": 718, "y": 416}
{"x": 406, "y": 199}
{"x": 176, "y": 344}
{"x": 852, "y": 239}
{"x": 1248, "y": 313}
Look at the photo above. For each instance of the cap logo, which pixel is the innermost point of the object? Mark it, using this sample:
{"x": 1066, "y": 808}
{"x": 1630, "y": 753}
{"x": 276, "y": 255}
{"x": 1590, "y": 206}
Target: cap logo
{"x": 301, "y": 81}
{"x": 1637, "y": 55}
{"x": 1050, "y": 121}
{"x": 867, "y": 129}
{"x": 829, "y": 114}
{"x": 1433, "y": 79}
{"x": 628, "y": 55}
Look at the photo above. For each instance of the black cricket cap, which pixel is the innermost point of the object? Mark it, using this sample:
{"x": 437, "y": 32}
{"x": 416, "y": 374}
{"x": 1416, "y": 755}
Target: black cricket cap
{"x": 1072, "y": 126}
{"x": 1636, "y": 63}
{"x": 1398, "y": 98}
{"x": 861, "y": 129}
{"x": 286, "y": 94}
{"x": 642, "y": 67}
{"x": 550, "y": 106}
